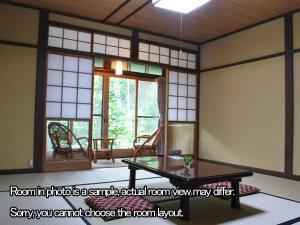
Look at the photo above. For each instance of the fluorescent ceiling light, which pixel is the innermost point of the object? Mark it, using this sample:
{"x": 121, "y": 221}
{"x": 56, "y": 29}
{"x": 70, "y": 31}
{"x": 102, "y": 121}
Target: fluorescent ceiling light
{"x": 183, "y": 6}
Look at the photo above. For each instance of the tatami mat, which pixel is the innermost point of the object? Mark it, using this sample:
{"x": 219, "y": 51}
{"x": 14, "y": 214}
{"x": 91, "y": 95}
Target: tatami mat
{"x": 34, "y": 203}
{"x": 69, "y": 177}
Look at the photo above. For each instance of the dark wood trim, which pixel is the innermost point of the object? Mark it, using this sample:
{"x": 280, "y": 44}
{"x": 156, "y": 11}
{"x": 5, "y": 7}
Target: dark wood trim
{"x": 243, "y": 62}
{"x": 21, "y": 44}
{"x": 115, "y": 11}
{"x": 17, "y": 171}
{"x": 289, "y": 94}
{"x": 289, "y": 222}
{"x": 40, "y": 92}
{"x": 297, "y": 50}
{"x": 134, "y": 12}
{"x": 250, "y": 26}
{"x": 135, "y": 45}
{"x": 256, "y": 170}
{"x": 98, "y": 21}
{"x": 197, "y": 126}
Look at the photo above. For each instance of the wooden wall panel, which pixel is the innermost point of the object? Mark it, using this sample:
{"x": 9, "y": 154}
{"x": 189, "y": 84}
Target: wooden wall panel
{"x": 296, "y": 30}
{"x": 296, "y": 163}
{"x": 17, "y": 97}
{"x": 18, "y": 24}
{"x": 255, "y": 42}
{"x": 242, "y": 114}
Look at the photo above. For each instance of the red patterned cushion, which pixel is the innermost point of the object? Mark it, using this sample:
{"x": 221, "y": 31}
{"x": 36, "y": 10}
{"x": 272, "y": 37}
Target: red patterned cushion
{"x": 113, "y": 203}
{"x": 244, "y": 189}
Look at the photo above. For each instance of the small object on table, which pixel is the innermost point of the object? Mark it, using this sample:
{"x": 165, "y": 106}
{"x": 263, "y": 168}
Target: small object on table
{"x": 187, "y": 160}
{"x": 104, "y": 145}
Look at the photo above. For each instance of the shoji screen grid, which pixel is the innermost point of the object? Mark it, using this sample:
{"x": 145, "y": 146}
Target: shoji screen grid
{"x": 69, "y": 87}
{"x": 164, "y": 55}
{"x": 182, "y": 97}
{"x": 109, "y": 45}
{"x": 69, "y": 39}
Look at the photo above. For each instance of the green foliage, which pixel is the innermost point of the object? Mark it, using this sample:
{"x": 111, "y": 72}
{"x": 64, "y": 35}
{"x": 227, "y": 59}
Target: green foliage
{"x": 187, "y": 160}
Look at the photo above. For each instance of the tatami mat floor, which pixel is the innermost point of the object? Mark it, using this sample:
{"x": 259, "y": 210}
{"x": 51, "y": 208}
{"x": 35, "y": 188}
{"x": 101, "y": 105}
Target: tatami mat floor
{"x": 256, "y": 209}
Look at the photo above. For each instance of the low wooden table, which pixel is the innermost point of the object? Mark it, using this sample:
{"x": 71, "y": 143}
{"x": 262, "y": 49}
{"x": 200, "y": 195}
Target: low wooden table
{"x": 200, "y": 173}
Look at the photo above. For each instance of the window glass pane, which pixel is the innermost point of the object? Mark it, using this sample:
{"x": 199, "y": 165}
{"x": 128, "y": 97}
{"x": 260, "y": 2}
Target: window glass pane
{"x": 99, "y": 62}
{"x": 146, "y": 126}
{"x": 98, "y": 88}
{"x": 97, "y": 126}
{"x": 138, "y": 68}
{"x": 122, "y": 111}
{"x": 155, "y": 70}
{"x": 147, "y": 91}
{"x": 81, "y": 129}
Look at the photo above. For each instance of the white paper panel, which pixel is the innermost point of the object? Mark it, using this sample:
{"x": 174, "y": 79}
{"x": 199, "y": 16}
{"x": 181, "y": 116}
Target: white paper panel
{"x": 71, "y": 63}
{"x": 164, "y": 51}
{"x": 192, "y": 91}
{"x": 182, "y": 78}
{"x": 123, "y": 43}
{"x": 55, "y": 61}
{"x": 54, "y": 77}
{"x": 173, "y": 89}
{"x": 70, "y": 44}
{"x": 154, "y": 49}
{"x": 55, "y": 31}
{"x": 84, "y": 47}
{"x": 191, "y": 103}
{"x": 124, "y": 52}
{"x": 53, "y": 109}
{"x": 53, "y": 94}
{"x": 182, "y": 63}
{"x": 172, "y": 114}
{"x": 182, "y": 55}
{"x": 85, "y": 81}
{"x": 85, "y": 65}
{"x": 112, "y": 41}
{"x": 99, "y": 48}
{"x": 84, "y": 95}
{"x": 68, "y": 110}
{"x": 173, "y": 77}
{"x": 172, "y": 102}
{"x": 191, "y": 65}
{"x": 181, "y": 115}
{"x": 164, "y": 59}
{"x": 182, "y": 90}
{"x": 182, "y": 103}
{"x": 143, "y": 47}
{"x": 143, "y": 56}
{"x": 83, "y": 36}
{"x": 83, "y": 111}
{"x": 191, "y": 115}
{"x": 55, "y": 42}
{"x": 154, "y": 58}
{"x": 69, "y": 95}
{"x": 191, "y": 57}
{"x": 70, "y": 34}
{"x": 111, "y": 50}
{"x": 174, "y": 53}
{"x": 100, "y": 39}
{"x": 174, "y": 62}
{"x": 192, "y": 79}
{"x": 70, "y": 79}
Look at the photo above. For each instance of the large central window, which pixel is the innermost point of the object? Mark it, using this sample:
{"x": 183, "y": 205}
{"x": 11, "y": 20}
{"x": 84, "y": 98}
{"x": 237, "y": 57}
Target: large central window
{"x": 123, "y": 108}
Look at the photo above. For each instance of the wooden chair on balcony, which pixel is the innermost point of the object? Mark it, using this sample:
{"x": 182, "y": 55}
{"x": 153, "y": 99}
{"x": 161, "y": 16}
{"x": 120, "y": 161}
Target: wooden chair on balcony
{"x": 147, "y": 142}
{"x": 64, "y": 141}
{"x": 103, "y": 145}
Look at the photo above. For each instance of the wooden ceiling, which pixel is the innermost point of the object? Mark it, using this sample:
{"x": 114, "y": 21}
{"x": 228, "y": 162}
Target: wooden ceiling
{"x": 212, "y": 20}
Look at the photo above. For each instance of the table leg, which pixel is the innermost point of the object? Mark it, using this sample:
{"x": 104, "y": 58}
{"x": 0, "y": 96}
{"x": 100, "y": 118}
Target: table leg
{"x": 235, "y": 199}
{"x": 184, "y": 206}
{"x": 132, "y": 177}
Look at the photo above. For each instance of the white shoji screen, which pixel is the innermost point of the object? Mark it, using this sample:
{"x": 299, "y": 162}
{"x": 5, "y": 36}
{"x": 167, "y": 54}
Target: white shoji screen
{"x": 69, "y": 39}
{"x": 182, "y": 97}
{"x": 111, "y": 45}
{"x": 69, "y": 87}
{"x": 163, "y": 55}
